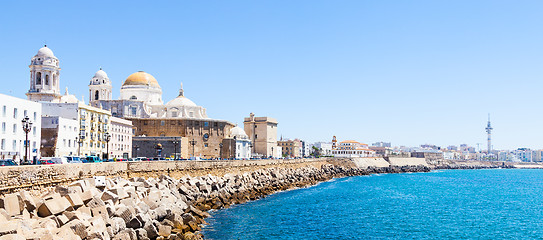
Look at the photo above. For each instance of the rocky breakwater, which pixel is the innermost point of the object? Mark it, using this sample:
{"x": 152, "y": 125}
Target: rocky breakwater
{"x": 152, "y": 208}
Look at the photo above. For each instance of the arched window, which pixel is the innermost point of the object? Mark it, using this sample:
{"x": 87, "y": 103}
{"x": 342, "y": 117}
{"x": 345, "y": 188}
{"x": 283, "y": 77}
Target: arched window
{"x": 133, "y": 98}
{"x": 38, "y": 78}
{"x": 175, "y": 112}
{"x": 46, "y": 79}
{"x": 96, "y": 95}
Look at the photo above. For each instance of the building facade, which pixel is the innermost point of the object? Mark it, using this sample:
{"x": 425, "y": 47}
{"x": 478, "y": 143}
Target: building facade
{"x": 262, "y": 132}
{"x": 12, "y": 137}
{"x": 120, "y": 143}
{"x": 93, "y": 125}
{"x": 59, "y": 136}
{"x": 352, "y": 148}
{"x": 290, "y": 148}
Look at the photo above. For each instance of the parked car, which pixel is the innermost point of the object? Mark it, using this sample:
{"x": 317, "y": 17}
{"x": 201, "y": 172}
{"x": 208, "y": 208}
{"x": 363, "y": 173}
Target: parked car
{"x": 72, "y": 159}
{"x": 59, "y": 160}
{"x": 7, "y": 162}
{"x": 93, "y": 159}
{"x": 45, "y": 161}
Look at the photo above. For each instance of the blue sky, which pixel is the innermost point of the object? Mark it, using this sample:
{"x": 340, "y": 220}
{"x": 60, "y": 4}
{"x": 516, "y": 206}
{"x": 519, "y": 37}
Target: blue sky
{"x": 407, "y": 72}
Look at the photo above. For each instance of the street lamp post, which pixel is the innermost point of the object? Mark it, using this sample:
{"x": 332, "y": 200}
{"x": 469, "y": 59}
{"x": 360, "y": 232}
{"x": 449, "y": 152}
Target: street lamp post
{"x": 79, "y": 141}
{"x": 158, "y": 149}
{"x": 107, "y": 137}
{"x": 175, "y": 142}
{"x": 192, "y": 142}
{"x": 27, "y": 125}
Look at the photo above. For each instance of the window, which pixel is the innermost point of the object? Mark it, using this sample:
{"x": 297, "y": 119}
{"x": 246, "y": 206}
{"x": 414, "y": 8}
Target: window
{"x": 34, "y": 131}
{"x": 162, "y": 123}
{"x": 4, "y": 111}
{"x": 96, "y": 95}
{"x": 34, "y": 145}
{"x": 206, "y": 124}
{"x": 64, "y": 142}
{"x": 38, "y": 77}
{"x": 35, "y": 116}
{"x": 3, "y": 144}
{"x": 14, "y": 145}
{"x": 46, "y": 79}
{"x": 133, "y": 111}
{"x": 14, "y": 128}
{"x": 256, "y": 136}
{"x": 133, "y": 98}
{"x": 15, "y": 113}
{"x": 3, "y": 127}
{"x": 69, "y": 143}
{"x": 25, "y": 113}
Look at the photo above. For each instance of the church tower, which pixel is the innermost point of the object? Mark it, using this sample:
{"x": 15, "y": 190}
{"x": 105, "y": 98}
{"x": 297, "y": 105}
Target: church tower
{"x": 44, "y": 77}
{"x": 99, "y": 88}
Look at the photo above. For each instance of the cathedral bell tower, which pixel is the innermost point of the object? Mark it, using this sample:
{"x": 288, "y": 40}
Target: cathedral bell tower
{"x": 44, "y": 77}
{"x": 99, "y": 88}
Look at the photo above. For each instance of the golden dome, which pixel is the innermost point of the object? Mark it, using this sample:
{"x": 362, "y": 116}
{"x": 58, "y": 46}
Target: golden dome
{"x": 141, "y": 78}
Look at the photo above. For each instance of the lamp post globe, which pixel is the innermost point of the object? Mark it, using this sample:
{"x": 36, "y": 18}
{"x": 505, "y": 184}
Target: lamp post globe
{"x": 27, "y": 126}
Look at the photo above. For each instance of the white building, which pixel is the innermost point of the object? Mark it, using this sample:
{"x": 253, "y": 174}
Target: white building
{"x": 242, "y": 143}
{"x": 120, "y": 144}
{"x": 59, "y": 136}
{"x": 12, "y": 136}
{"x": 351, "y": 148}
{"x": 325, "y": 148}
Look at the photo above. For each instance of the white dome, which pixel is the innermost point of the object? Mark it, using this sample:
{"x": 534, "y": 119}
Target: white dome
{"x": 100, "y": 77}
{"x": 45, "y": 52}
{"x": 238, "y": 133}
{"x": 68, "y": 98}
{"x": 179, "y": 102}
{"x": 101, "y": 74}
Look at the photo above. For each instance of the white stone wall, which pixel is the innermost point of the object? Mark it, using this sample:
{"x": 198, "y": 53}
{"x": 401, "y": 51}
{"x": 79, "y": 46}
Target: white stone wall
{"x": 12, "y": 136}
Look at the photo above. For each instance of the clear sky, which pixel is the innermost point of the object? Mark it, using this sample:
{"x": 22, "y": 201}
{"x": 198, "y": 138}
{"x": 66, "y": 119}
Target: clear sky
{"x": 406, "y": 72}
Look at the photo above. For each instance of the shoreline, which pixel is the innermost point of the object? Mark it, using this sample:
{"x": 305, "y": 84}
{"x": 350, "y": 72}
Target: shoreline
{"x": 165, "y": 207}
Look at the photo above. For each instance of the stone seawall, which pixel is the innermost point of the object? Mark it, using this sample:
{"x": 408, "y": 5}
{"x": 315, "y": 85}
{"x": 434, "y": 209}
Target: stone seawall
{"x": 161, "y": 200}
{"x": 160, "y": 207}
{"x": 36, "y": 177}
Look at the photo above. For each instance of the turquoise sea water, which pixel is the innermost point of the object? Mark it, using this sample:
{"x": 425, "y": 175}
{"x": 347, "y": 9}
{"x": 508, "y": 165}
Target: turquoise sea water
{"x": 450, "y": 204}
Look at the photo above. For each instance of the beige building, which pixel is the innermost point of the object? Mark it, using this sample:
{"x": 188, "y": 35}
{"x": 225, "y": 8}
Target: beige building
{"x": 203, "y": 135}
{"x": 290, "y": 148}
{"x": 93, "y": 124}
{"x": 120, "y": 143}
{"x": 262, "y": 132}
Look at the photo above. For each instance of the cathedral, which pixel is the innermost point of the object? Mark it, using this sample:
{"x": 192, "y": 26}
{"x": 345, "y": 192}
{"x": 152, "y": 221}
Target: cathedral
{"x": 179, "y": 128}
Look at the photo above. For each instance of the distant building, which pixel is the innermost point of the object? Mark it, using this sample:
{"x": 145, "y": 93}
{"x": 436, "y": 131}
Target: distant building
{"x": 121, "y": 132}
{"x": 324, "y": 147}
{"x": 12, "y": 137}
{"x": 262, "y": 132}
{"x": 381, "y": 144}
{"x": 290, "y": 148}
{"x": 352, "y": 148}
